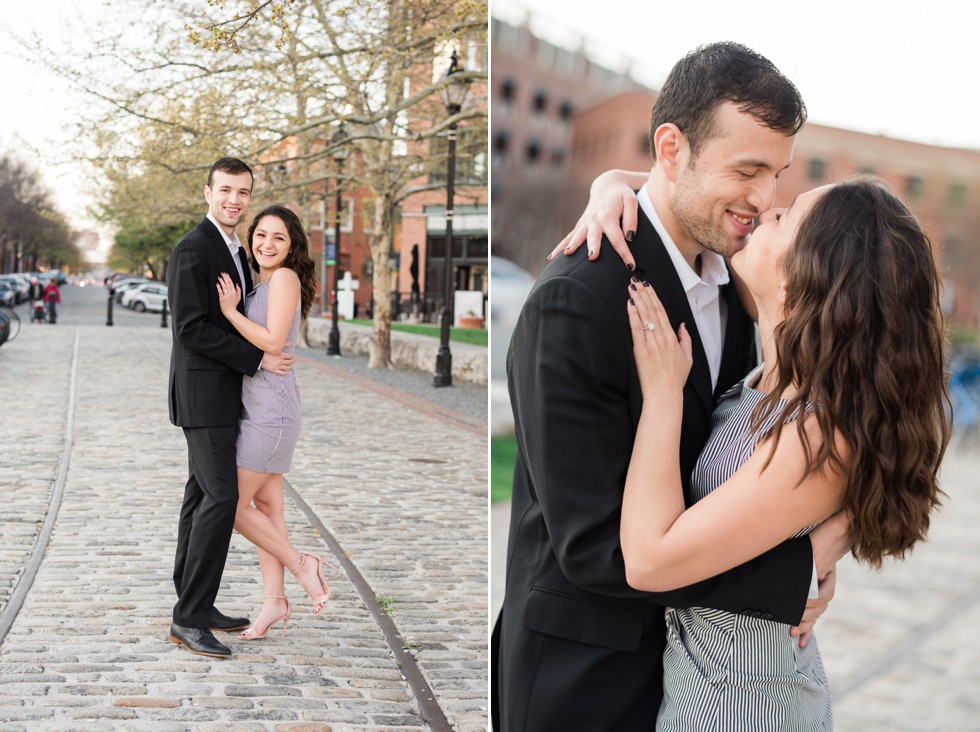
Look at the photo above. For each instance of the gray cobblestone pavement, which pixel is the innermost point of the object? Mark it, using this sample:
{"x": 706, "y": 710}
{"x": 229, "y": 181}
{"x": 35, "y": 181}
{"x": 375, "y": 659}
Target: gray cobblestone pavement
{"x": 398, "y": 480}
{"x": 900, "y": 647}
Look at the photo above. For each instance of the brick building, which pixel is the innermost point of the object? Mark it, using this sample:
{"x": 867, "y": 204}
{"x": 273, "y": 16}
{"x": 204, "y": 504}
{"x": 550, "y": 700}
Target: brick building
{"x": 419, "y": 226}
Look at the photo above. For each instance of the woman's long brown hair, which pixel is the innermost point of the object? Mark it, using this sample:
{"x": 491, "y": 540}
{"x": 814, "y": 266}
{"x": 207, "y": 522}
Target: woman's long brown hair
{"x": 298, "y": 259}
{"x": 863, "y": 344}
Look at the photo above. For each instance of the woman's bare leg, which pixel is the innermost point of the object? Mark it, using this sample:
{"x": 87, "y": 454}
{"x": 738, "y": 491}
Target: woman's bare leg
{"x": 264, "y": 524}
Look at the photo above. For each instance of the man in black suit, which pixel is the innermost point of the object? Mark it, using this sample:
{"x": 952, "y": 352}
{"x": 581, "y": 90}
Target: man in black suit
{"x": 207, "y": 361}
{"x": 575, "y": 647}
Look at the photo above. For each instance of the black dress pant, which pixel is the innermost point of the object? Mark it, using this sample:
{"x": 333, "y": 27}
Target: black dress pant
{"x": 207, "y": 518}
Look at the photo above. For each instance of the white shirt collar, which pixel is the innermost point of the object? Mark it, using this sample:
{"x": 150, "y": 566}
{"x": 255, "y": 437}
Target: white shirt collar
{"x": 233, "y": 243}
{"x": 713, "y": 270}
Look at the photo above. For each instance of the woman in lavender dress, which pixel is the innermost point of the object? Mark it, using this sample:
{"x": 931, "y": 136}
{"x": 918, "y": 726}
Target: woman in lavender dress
{"x": 270, "y": 422}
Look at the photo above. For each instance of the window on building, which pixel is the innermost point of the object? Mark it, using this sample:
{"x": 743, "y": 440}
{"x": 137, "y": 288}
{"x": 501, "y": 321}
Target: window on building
{"x": 501, "y": 141}
{"x": 957, "y": 194}
{"x": 533, "y": 151}
{"x": 913, "y": 186}
{"x": 508, "y": 89}
{"x": 540, "y": 102}
{"x": 565, "y": 111}
{"x": 818, "y": 170}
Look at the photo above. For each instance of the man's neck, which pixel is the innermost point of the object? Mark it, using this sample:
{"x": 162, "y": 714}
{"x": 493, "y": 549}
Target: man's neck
{"x": 657, "y": 189}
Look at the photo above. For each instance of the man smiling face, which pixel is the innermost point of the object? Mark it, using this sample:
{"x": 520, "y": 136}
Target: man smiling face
{"x": 228, "y": 196}
{"x": 730, "y": 182}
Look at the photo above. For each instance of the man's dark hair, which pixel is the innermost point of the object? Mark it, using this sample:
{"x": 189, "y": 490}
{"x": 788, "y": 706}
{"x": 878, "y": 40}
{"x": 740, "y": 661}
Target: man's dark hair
{"x": 232, "y": 166}
{"x": 717, "y": 73}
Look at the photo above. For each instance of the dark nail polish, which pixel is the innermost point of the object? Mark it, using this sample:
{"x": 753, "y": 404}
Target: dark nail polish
{"x": 633, "y": 287}
{"x": 634, "y": 279}
{"x": 591, "y": 252}
{"x": 568, "y": 248}
{"x": 550, "y": 256}
{"x": 630, "y": 235}
{"x": 630, "y": 266}
{"x": 632, "y": 303}
{"x": 645, "y": 283}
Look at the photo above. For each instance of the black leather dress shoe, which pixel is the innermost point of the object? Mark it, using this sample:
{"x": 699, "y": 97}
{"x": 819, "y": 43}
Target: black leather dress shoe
{"x": 220, "y": 621}
{"x": 198, "y": 640}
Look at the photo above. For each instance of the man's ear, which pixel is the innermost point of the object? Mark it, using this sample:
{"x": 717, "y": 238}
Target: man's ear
{"x": 207, "y": 193}
{"x": 672, "y": 149}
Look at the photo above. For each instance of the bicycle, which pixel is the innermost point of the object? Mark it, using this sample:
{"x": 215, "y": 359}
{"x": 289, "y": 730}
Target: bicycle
{"x": 13, "y": 322}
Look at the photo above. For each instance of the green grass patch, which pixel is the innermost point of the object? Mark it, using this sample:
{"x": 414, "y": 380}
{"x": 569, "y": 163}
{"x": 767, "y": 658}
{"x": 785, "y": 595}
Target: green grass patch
{"x": 477, "y": 337}
{"x": 385, "y": 603}
{"x": 503, "y": 455}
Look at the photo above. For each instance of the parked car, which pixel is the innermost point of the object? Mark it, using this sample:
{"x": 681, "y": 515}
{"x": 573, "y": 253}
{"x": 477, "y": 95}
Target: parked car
{"x": 150, "y": 296}
{"x": 120, "y": 286}
{"x": 21, "y": 286}
{"x": 509, "y": 287}
{"x": 8, "y": 295}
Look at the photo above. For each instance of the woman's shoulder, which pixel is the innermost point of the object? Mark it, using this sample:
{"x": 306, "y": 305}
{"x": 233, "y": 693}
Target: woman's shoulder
{"x": 284, "y": 276}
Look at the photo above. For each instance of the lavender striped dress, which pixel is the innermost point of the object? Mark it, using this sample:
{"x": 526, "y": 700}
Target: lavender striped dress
{"x": 270, "y": 421}
{"x": 725, "y": 672}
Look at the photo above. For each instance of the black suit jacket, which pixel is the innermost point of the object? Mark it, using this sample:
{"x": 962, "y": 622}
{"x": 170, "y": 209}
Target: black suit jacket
{"x": 208, "y": 356}
{"x": 575, "y": 647}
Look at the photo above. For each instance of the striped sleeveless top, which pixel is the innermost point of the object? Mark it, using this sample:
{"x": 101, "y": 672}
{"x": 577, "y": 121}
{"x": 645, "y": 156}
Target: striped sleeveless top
{"x": 725, "y": 672}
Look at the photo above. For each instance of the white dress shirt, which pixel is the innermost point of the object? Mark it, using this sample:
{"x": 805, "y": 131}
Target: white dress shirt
{"x": 233, "y": 245}
{"x": 710, "y": 311}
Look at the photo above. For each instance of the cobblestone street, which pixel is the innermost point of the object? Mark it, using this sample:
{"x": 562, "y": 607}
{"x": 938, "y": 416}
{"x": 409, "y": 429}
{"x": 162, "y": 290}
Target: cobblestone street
{"x": 398, "y": 482}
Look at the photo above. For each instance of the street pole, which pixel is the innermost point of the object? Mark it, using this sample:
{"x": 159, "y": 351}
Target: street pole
{"x": 324, "y": 292}
{"x": 333, "y": 345}
{"x": 444, "y": 357}
{"x": 339, "y": 140}
{"x": 453, "y": 93}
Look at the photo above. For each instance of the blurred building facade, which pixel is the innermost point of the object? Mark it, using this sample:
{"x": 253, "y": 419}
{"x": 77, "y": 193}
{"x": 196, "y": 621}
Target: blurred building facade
{"x": 422, "y": 242}
{"x": 608, "y": 127}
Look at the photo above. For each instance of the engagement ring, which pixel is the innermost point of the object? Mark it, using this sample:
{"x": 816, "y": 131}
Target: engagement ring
{"x": 649, "y": 326}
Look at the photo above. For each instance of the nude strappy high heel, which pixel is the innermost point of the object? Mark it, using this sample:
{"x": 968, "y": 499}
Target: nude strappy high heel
{"x": 251, "y": 634}
{"x": 318, "y": 602}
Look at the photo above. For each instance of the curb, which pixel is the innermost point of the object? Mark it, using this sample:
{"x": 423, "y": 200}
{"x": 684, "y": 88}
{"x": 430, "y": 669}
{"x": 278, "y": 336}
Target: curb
{"x": 408, "y": 351}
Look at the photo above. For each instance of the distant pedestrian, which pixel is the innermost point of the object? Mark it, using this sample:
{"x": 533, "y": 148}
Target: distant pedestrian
{"x": 36, "y": 290}
{"x": 52, "y": 296}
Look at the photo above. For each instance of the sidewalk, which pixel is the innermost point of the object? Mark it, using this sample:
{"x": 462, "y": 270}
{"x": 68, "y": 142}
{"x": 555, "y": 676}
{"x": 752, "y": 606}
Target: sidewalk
{"x": 900, "y": 647}
{"x": 398, "y": 483}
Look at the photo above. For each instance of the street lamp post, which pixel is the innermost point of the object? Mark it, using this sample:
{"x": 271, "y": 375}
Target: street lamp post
{"x": 453, "y": 93}
{"x": 339, "y": 140}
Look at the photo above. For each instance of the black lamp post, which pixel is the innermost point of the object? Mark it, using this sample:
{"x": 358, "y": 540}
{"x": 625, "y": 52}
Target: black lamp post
{"x": 339, "y": 140}
{"x": 453, "y": 93}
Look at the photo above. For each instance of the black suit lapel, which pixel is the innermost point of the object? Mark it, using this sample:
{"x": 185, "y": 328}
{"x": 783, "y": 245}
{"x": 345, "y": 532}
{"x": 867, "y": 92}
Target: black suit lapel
{"x": 654, "y": 265}
{"x": 246, "y": 271}
{"x": 739, "y": 355}
{"x": 218, "y": 242}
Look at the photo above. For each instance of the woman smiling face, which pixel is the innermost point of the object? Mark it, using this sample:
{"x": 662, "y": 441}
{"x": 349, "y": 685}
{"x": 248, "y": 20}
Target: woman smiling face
{"x": 270, "y": 243}
{"x": 760, "y": 263}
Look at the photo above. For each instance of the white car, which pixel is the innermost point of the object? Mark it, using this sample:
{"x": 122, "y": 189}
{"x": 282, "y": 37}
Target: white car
{"x": 19, "y": 284}
{"x": 119, "y": 287}
{"x": 148, "y": 296}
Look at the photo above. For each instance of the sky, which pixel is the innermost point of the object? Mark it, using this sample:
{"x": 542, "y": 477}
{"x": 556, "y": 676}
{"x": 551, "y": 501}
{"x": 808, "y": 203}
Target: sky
{"x": 40, "y": 109}
{"x": 903, "y": 69}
